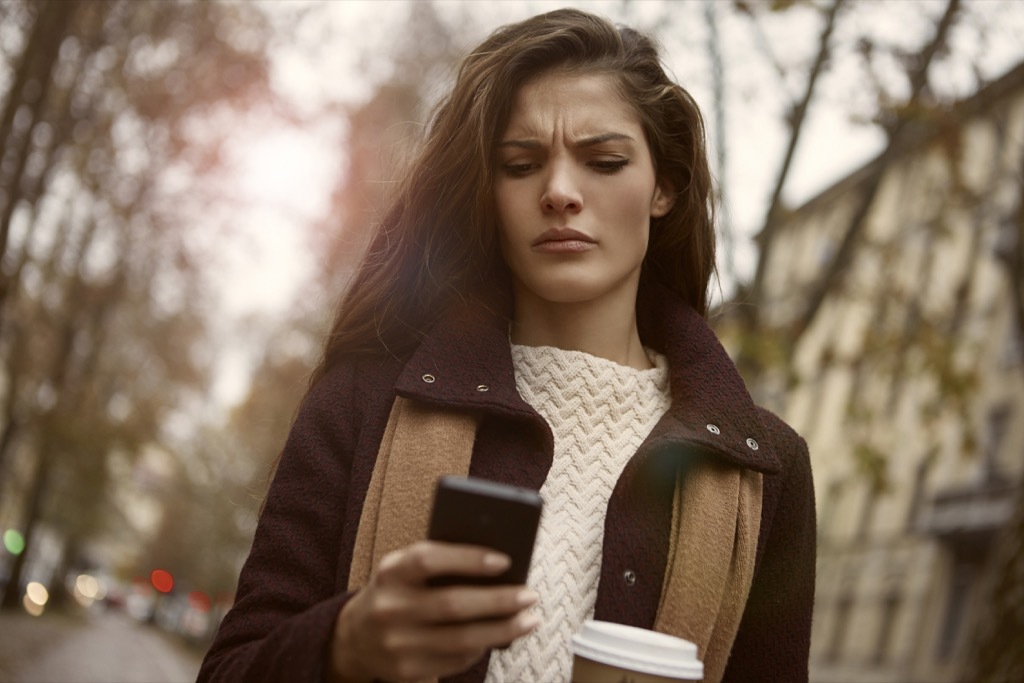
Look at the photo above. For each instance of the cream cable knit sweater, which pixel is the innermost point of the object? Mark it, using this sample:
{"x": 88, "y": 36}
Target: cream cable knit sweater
{"x": 599, "y": 412}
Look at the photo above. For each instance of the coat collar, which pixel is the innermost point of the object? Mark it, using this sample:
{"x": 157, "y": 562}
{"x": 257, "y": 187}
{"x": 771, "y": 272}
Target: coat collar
{"x": 465, "y": 362}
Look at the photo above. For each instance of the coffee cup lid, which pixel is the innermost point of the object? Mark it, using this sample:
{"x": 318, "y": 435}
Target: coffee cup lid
{"x": 638, "y": 649}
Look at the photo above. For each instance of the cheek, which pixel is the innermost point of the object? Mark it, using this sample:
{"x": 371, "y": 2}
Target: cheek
{"x": 505, "y": 225}
{"x": 633, "y": 203}
{"x": 512, "y": 208}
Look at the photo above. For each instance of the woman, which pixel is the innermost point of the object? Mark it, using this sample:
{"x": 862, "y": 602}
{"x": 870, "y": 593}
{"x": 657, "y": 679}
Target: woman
{"x": 543, "y": 273}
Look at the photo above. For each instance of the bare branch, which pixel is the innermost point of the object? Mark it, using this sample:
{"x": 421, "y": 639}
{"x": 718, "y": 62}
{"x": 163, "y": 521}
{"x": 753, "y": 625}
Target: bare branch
{"x": 718, "y": 102}
{"x": 767, "y": 235}
{"x": 918, "y": 79}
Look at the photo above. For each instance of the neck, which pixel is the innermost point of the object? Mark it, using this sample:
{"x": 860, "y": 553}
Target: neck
{"x": 603, "y": 329}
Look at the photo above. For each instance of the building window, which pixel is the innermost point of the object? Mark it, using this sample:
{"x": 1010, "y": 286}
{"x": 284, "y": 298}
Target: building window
{"x": 854, "y": 406}
{"x": 832, "y": 500}
{"x": 867, "y": 513}
{"x": 818, "y": 386}
{"x": 1010, "y": 252}
{"x": 956, "y": 608}
{"x": 890, "y": 612}
{"x": 840, "y": 625}
{"x": 1013, "y": 352}
{"x": 998, "y": 423}
{"x": 917, "y": 495}
{"x": 1005, "y": 241}
{"x": 908, "y": 339}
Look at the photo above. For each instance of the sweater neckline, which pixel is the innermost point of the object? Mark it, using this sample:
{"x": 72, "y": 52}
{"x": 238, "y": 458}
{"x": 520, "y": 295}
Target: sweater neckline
{"x": 658, "y": 361}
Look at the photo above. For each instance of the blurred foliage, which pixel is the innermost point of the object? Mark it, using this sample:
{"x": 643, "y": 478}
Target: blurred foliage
{"x": 103, "y": 338}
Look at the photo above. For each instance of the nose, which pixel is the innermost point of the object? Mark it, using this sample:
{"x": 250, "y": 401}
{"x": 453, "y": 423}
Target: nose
{"x": 561, "y": 192}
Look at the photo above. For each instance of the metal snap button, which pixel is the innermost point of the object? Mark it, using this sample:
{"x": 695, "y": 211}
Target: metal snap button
{"x": 751, "y": 444}
{"x": 428, "y": 378}
{"x": 482, "y": 387}
{"x": 714, "y": 429}
{"x": 629, "y": 576}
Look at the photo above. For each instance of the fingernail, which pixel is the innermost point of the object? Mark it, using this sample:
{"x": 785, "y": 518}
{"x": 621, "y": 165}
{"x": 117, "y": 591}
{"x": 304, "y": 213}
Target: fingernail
{"x": 496, "y": 561}
{"x": 526, "y": 597}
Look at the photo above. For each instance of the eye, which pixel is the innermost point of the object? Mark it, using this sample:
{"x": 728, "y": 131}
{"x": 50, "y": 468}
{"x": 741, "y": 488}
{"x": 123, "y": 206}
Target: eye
{"x": 518, "y": 168}
{"x": 608, "y": 166}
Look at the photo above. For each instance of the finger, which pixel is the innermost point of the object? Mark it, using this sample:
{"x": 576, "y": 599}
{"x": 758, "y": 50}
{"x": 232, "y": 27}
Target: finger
{"x": 430, "y": 607}
{"x": 425, "y": 559}
{"x": 465, "y": 639}
{"x": 471, "y": 603}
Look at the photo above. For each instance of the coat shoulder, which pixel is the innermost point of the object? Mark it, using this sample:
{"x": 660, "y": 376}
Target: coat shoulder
{"x": 791, "y": 447}
{"x": 795, "y": 482}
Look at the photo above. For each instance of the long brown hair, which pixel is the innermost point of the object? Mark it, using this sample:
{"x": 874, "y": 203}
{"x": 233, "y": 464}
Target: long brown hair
{"x": 438, "y": 240}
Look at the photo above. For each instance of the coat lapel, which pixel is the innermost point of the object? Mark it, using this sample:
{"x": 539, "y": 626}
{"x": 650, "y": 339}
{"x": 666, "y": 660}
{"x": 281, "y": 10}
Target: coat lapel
{"x": 464, "y": 362}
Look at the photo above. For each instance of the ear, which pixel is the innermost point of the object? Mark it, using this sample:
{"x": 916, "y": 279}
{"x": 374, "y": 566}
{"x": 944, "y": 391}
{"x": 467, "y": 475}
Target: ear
{"x": 663, "y": 200}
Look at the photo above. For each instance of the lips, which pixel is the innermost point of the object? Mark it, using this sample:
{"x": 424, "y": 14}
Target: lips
{"x": 563, "y": 240}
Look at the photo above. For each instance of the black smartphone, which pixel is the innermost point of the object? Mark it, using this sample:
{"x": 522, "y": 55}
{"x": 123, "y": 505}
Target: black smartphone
{"x": 480, "y": 512}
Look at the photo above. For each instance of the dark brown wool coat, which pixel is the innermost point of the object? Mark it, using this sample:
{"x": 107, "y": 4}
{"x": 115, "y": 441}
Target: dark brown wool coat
{"x": 293, "y": 583}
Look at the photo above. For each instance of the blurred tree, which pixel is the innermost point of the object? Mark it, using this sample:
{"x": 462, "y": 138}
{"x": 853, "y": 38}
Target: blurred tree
{"x": 210, "y": 508}
{"x": 109, "y": 137}
{"x": 906, "y": 339}
{"x": 382, "y": 130}
{"x": 900, "y": 121}
{"x": 241, "y": 453}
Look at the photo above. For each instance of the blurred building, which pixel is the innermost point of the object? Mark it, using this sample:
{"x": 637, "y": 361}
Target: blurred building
{"x": 909, "y": 387}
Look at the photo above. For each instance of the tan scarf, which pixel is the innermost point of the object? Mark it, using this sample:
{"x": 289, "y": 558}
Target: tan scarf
{"x": 716, "y": 515}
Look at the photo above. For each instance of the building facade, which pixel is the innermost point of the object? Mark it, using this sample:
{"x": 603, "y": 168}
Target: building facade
{"x": 909, "y": 387}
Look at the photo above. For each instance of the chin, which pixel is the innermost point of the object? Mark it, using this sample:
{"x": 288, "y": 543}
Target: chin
{"x": 569, "y": 288}
{"x": 569, "y": 292}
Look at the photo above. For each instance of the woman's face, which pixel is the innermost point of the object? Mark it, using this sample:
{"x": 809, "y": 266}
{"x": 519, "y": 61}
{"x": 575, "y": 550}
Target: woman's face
{"x": 575, "y": 190}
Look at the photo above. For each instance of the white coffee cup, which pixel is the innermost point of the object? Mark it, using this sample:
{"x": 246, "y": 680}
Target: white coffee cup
{"x": 604, "y": 652}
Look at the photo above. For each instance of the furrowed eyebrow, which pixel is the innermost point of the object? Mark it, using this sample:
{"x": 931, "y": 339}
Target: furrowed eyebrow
{"x": 520, "y": 144}
{"x": 603, "y": 137}
{"x": 581, "y": 143}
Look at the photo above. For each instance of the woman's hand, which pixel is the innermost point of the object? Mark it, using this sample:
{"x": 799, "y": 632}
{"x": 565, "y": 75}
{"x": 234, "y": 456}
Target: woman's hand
{"x": 398, "y": 628}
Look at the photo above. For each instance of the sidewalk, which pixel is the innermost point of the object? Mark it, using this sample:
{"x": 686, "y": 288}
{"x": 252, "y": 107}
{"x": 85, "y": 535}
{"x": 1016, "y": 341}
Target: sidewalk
{"x": 90, "y": 647}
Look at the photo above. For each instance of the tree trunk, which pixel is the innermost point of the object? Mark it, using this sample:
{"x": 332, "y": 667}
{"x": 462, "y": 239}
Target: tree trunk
{"x": 60, "y": 596}
{"x": 766, "y": 237}
{"x": 63, "y": 127}
{"x": 749, "y": 360}
{"x": 39, "y": 34}
{"x": 725, "y": 228}
{"x": 10, "y": 429}
{"x": 41, "y": 55}
{"x": 30, "y": 519}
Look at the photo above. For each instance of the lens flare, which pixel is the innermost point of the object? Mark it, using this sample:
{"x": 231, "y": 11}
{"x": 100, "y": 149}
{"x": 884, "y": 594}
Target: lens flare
{"x": 88, "y": 590}
{"x": 200, "y": 601}
{"x": 87, "y": 585}
{"x": 37, "y": 593}
{"x": 31, "y": 607}
{"x": 162, "y": 580}
{"x": 14, "y": 541}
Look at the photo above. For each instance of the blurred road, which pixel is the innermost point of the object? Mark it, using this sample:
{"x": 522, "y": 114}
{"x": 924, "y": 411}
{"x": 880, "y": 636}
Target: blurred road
{"x": 105, "y": 647}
